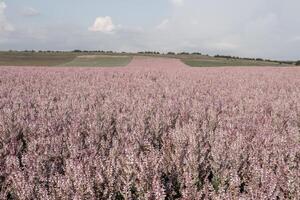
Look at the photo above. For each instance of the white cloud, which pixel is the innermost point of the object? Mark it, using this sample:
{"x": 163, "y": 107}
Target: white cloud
{"x": 103, "y": 24}
{"x": 29, "y": 11}
{"x": 194, "y": 22}
{"x": 177, "y": 2}
{"x": 5, "y": 26}
{"x": 163, "y": 24}
{"x": 295, "y": 39}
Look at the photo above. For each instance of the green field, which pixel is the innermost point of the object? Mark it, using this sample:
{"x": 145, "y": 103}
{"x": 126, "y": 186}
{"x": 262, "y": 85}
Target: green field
{"x": 62, "y": 59}
{"x": 35, "y": 59}
{"x": 99, "y": 61}
{"x": 96, "y": 59}
{"x": 220, "y": 62}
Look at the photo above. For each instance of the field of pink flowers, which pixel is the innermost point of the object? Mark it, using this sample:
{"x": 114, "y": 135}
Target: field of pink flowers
{"x": 153, "y": 130}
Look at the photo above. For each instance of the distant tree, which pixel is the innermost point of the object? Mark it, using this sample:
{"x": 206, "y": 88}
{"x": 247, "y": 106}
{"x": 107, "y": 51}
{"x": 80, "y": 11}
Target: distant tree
{"x": 196, "y": 53}
{"x": 171, "y": 53}
{"x": 184, "y": 53}
{"x": 298, "y": 63}
{"x": 222, "y": 56}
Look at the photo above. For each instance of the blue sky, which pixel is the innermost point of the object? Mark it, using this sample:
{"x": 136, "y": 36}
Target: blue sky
{"x": 132, "y": 12}
{"x": 256, "y": 28}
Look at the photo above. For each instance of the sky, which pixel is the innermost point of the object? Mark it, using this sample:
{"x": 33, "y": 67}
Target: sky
{"x": 246, "y": 28}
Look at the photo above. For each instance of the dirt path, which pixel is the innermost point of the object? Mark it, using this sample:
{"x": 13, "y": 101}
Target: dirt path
{"x": 156, "y": 63}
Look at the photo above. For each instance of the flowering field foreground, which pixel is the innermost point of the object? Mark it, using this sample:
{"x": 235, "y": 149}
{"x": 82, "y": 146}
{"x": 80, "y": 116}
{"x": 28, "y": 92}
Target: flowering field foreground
{"x": 153, "y": 130}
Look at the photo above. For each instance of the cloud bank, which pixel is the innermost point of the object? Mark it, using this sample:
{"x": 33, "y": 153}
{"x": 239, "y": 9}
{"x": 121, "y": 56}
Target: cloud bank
{"x": 177, "y": 2}
{"x": 5, "y": 26}
{"x": 243, "y": 28}
{"x": 30, "y": 12}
